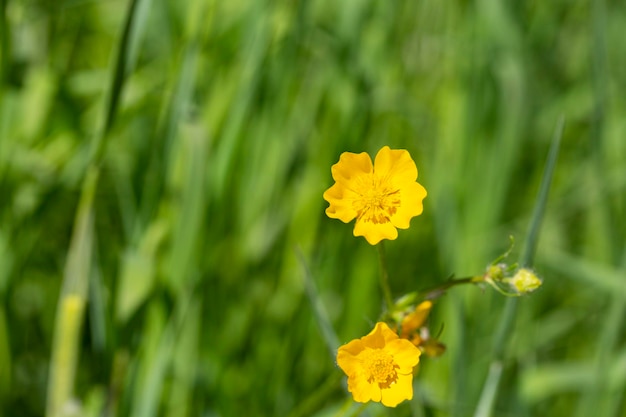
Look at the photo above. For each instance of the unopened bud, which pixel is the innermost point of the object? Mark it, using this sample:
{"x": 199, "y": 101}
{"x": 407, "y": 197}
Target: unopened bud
{"x": 524, "y": 281}
{"x": 495, "y": 272}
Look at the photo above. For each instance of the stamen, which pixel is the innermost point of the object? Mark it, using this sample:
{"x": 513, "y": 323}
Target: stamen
{"x": 380, "y": 367}
{"x": 378, "y": 200}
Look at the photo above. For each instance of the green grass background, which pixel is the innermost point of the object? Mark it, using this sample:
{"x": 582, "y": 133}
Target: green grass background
{"x": 210, "y": 128}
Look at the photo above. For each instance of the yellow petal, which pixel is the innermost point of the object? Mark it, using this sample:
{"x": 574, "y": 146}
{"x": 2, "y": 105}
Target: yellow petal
{"x": 363, "y": 391}
{"x": 388, "y": 334}
{"x": 379, "y": 336}
{"x": 374, "y": 233}
{"x": 395, "y": 164}
{"x": 341, "y": 203}
{"x": 411, "y": 205}
{"x": 398, "y": 392}
{"x": 347, "y": 357}
{"x": 350, "y": 167}
{"x": 404, "y": 353}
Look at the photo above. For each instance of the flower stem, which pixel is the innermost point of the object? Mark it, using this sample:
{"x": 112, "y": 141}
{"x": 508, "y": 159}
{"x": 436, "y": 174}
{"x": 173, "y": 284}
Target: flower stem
{"x": 439, "y": 290}
{"x": 384, "y": 276}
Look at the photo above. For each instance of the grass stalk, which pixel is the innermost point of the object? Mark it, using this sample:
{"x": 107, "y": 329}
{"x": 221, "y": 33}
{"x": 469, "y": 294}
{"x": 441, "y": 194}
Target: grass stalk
{"x": 71, "y": 304}
{"x": 506, "y": 325}
{"x": 74, "y": 294}
{"x": 319, "y": 312}
{"x": 65, "y": 354}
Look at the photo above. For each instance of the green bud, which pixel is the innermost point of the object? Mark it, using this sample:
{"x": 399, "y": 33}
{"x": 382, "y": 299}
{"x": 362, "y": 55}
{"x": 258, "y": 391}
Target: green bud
{"x": 524, "y": 281}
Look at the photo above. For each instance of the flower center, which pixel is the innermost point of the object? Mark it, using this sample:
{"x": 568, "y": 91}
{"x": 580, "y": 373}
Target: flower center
{"x": 380, "y": 367}
{"x": 378, "y": 202}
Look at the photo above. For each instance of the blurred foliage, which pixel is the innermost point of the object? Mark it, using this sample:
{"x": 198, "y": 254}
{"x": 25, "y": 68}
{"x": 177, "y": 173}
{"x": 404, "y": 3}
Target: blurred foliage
{"x": 218, "y": 124}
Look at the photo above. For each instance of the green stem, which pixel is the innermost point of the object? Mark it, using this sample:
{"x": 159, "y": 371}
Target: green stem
{"x": 439, "y": 290}
{"x": 384, "y": 276}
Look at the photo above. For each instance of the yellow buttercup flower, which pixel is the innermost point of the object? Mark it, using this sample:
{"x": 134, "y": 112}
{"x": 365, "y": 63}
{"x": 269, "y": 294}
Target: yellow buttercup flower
{"x": 379, "y": 366}
{"x": 381, "y": 197}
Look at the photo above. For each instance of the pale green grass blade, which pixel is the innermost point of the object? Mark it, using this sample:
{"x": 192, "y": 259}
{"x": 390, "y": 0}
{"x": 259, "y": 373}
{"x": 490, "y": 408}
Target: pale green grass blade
{"x": 592, "y": 275}
{"x": 158, "y": 354}
{"x": 184, "y": 369}
{"x": 69, "y": 318}
{"x": 138, "y": 270}
{"x": 530, "y": 246}
{"x": 506, "y": 324}
{"x": 319, "y": 312}
{"x": 548, "y": 380}
{"x": 598, "y": 396}
{"x": 79, "y": 261}
{"x": 150, "y": 363}
{"x": 5, "y": 43}
{"x": 193, "y": 148}
{"x": 122, "y": 65}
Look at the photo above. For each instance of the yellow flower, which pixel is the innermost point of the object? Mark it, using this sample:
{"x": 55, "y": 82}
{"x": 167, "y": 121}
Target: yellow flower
{"x": 379, "y": 366}
{"x": 382, "y": 197}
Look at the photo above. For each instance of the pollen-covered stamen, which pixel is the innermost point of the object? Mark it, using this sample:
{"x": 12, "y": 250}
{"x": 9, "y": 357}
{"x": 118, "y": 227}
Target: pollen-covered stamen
{"x": 377, "y": 202}
{"x": 380, "y": 367}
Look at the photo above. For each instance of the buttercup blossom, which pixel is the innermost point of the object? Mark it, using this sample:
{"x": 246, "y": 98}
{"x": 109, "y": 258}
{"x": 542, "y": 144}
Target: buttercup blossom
{"x": 381, "y": 197}
{"x": 379, "y": 366}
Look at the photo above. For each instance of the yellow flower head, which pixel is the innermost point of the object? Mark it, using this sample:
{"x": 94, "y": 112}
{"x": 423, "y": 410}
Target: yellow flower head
{"x": 379, "y": 366}
{"x": 382, "y": 197}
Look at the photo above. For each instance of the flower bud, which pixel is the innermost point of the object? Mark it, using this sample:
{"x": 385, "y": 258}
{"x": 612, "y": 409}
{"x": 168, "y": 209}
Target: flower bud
{"x": 524, "y": 281}
{"x": 495, "y": 272}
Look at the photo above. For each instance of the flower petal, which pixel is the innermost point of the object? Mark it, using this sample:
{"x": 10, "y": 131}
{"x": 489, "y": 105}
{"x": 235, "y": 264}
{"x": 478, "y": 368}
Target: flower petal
{"x": 363, "y": 391}
{"x": 405, "y": 354}
{"x": 410, "y": 206}
{"x": 398, "y": 392}
{"x": 347, "y": 357}
{"x": 374, "y": 233}
{"x": 351, "y": 166}
{"x": 379, "y": 336}
{"x": 341, "y": 203}
{"x": 395, "y": 164}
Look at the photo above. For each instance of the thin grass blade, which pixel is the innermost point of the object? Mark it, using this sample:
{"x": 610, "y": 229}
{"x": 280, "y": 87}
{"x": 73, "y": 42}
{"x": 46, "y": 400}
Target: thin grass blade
{"x": 505, "y": 328}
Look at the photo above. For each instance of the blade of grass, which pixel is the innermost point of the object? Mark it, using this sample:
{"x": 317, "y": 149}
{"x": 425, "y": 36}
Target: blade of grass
{"x": 184, "y": 364}
{"x": 195, "y": 148}
{"x": 597, "y": 397}
{"x": 74, "y": 293}
{"x": 5, "y": 42}
{"x": 123, "y": 64}
{"x": 71, "y": 305}
{"x": 319, "y": 312}
{"x": 154, "y": 366}
{"x": 505, "y": 328}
